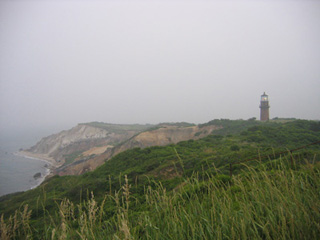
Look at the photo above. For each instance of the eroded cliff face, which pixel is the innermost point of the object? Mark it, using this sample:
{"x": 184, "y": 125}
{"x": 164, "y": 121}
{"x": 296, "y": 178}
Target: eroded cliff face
{"x": 164, "y": 136}
{"x": 159, "y": 137}
{"x": 83, "y": 137}
{"x": 87, "y": 146}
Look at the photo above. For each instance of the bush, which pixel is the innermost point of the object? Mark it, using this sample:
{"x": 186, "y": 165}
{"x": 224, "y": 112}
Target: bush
{"x": 234, "y": 148}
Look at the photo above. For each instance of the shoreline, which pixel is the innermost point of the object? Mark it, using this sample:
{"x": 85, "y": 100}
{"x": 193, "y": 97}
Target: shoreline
{"x": 46, "y": 169}
{"x": 50, "y": 165}
{"x": 42, "y": 178}
{"x": 34, "y": 158}
{"x": 40, "y": 157}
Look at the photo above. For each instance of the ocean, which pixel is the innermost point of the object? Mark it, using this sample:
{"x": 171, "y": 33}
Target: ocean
{"x": 17, "y": 172}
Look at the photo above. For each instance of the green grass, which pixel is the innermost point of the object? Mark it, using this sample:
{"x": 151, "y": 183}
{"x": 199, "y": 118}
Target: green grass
{"x": 119, "y": 128}
{"x": 259, "y": 203}
{"x": 183, "y": 191}
{"x": 69, "y": 158}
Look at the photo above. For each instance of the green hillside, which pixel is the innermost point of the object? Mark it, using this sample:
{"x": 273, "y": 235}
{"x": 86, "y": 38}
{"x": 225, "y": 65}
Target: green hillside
{"x": 119, "y": 128}
{"x": 184, "y": 191}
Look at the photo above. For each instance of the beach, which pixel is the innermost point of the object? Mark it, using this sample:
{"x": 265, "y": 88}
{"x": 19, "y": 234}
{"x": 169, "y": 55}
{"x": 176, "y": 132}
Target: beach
{"x": 40, "y": 157}
{"x": 48, "y": 164}
{"x": 21, "y": 173}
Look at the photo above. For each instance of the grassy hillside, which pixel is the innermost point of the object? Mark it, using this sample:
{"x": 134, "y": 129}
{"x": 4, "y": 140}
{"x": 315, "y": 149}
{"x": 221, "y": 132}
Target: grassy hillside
{"x": 119, "y": 128}
{"x": 183, "y": 191}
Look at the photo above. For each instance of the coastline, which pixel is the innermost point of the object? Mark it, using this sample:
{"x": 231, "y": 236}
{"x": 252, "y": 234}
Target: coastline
{"x": 40, "y": 157}
{"x": 20, "y": 172}
{"x": 42, "y": 178}
{"x": 51, "y": 164}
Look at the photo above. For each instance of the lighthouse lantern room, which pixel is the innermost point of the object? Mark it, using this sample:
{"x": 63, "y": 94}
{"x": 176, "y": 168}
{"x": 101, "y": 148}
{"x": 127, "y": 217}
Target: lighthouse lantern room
{"x": 264, "y": 107}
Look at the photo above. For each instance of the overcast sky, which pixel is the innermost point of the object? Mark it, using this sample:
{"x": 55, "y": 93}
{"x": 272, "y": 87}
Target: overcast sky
{"x": 67, "y": 62}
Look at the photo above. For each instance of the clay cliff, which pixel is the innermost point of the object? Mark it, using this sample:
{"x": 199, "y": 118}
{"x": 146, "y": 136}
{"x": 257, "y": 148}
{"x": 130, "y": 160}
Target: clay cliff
{"x": 57, "y": 148}
{"x": 87, "y": 146}
{"x": 163, "y": 135}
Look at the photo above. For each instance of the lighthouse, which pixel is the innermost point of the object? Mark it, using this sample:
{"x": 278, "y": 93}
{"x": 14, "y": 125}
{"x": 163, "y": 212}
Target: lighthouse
{"x": 264, "y": 107}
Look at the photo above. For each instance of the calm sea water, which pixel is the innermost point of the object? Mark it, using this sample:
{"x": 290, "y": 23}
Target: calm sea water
{"x": 16, "y": 172}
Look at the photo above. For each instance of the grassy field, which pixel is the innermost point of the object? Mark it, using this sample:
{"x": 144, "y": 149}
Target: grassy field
{"x": 184, "y": 191}
{"x": 259, "y": 203}
{"x": 120, "y": 128}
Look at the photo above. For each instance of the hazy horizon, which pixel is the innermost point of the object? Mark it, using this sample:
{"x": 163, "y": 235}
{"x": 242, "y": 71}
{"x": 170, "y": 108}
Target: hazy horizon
{"x": 69, "y": 62}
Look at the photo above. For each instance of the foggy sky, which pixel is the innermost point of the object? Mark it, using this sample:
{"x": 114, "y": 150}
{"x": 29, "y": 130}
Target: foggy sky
{"x": 67, "y": 62}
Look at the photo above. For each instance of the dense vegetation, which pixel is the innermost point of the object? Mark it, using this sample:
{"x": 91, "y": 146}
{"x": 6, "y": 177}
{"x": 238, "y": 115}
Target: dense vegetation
{"x": 119, "y": 128}
{"x": 184, "y": 191}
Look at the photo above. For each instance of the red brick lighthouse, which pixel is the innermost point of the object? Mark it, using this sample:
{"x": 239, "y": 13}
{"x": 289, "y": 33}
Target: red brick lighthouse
{"x": 264, "y": 107}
